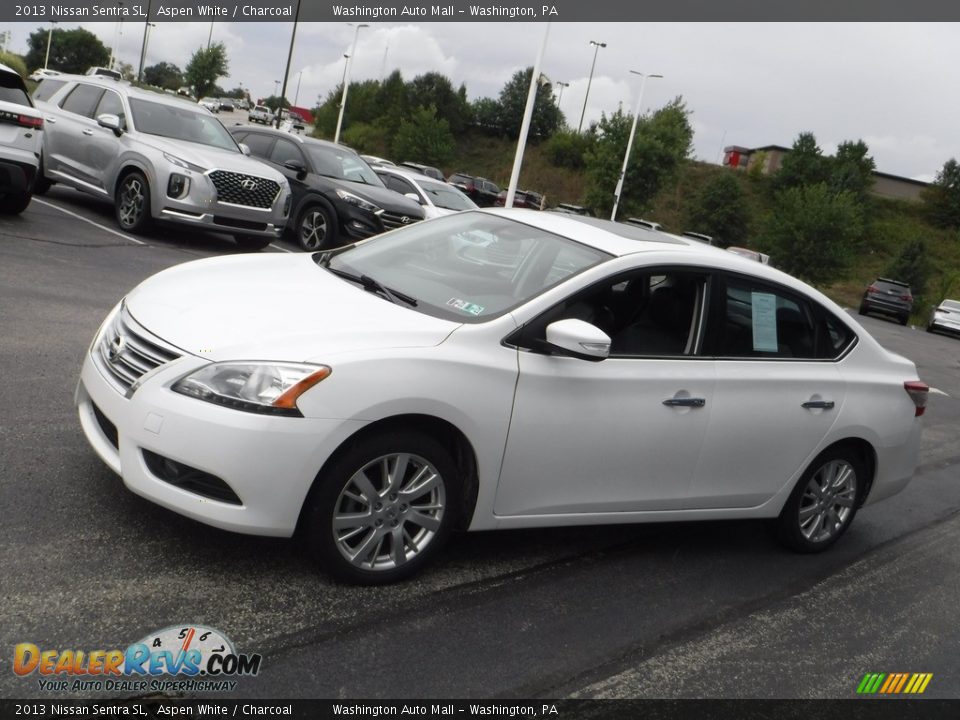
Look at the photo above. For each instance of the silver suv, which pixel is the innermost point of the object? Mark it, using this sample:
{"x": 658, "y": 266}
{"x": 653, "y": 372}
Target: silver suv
{"x": 157, "y": 157}
{"x": 21, "y": 135}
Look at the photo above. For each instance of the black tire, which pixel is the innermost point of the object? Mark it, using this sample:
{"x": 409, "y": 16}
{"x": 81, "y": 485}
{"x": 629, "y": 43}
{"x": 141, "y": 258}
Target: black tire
{"x": 904, "y": 319}
{"x": 388, "y": 515}
{"x": 930, "y": 328}
{"x": 810, "y": 523}
{"x": 132, "y": 203}
{"x": 863, "y": 309}
{"x": 252, "y": 243}
{"x": 40, "y": 182}
{"x": 14, "y": 203}
{"x": 316, "y": 229}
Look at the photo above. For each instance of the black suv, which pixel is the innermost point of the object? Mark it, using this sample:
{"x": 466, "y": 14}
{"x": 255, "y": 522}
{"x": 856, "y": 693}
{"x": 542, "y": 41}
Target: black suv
{"x": 337, "y": 198}
{"x": 480, "y": 190}
{"x": 889, "y": 297}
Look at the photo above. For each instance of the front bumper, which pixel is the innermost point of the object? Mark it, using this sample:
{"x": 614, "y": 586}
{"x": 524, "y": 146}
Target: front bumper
{"x": 269, "y": 462}
{"x": 947, "y": 326}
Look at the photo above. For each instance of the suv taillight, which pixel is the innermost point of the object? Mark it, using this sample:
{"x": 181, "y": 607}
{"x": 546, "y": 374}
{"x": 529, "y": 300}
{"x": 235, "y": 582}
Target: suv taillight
{"x": 28, "y": 121}
{"x": 918, "y": 392}
{"x": 908, "y": 298}
{"x": 872, "y": 290}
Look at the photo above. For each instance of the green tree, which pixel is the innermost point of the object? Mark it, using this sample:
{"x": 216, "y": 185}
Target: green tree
{"x": 720, "y": 209}
{"x": 436, "y": 89}
{"x": 485, "y": 114}
{"x": 163, "y": 74}
{"x": 942, "y": 199}
{"x": 912, "y": 265}
{"x": 803, "y": 165}
{"x": 206, "y": 66}
{"x": 71, "y": 51}
{"x": 546, "y": 119}
{"x": 274, "y": 103}
{"x": 425, "y": 137}
{"x": 15, "y": 62}
{"x": 662, "y": 144}
{"x": 813, "y": 232}
{"x": 325, "y": 114}
{"x": 851, "y": 169}
{"x": 568, "y": 149}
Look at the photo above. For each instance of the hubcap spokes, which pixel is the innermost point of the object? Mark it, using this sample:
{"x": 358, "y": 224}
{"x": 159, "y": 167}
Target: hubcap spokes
{"x": 388, "y": 512}
{"x": 313, "y": 230}
{"x": 131, "y": 202}
{"x": 827, "y": 501}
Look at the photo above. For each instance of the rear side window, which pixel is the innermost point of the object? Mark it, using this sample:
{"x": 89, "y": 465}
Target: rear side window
{"x": 47, "y": 88}
{"x": 82, "y": 100}
{"x": 284, "y": 151}
{"x": 11, "y": 90}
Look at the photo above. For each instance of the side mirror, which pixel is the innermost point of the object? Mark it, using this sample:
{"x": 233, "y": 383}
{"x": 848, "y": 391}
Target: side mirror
{"x": 111, "y": 122}
{"x": 413, "y": 196}
{"x": 298, "y": 167}
{"x": 244, "y": 148}
{"x": 578, "y": 339}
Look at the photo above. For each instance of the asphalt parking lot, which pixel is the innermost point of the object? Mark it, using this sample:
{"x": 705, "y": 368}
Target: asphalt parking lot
{"x": 707, "y": 610}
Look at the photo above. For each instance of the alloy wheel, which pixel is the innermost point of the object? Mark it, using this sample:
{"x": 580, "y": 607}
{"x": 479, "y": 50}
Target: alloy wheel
{"x": 828, "y": 501}
{"x": 313, "y": 230}
{"x": 388, "y": 512}
{"x": 132, "y": 197}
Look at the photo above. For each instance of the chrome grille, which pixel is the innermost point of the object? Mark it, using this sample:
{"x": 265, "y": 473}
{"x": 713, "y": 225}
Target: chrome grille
{"x": 248, "y": 190}
{"x": 394, "y": 220}
{"x": 127, "y": 352}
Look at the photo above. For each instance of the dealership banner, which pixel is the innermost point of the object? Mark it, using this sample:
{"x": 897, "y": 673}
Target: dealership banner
{"x": 472, "y": 10}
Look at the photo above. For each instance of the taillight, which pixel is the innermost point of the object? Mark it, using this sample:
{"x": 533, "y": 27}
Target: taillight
{"x": 918, "y": 392}
{"x": 908, "y": 298}
{"x": 872, "y": 290}
{"x": 29, "y": 121}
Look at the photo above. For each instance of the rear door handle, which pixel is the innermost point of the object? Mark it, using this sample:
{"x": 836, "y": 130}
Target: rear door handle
{"x": 685, "y": 402}
{"x": 818, "y": 404}
{"x": 88, "y": 131}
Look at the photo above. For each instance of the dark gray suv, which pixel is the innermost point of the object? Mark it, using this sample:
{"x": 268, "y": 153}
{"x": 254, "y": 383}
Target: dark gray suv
{"x": 888, "y": 297}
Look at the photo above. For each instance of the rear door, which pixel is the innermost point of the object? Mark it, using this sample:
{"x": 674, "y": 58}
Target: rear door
{"x": 778, "y": 392}
{"x": 68, "y": 134}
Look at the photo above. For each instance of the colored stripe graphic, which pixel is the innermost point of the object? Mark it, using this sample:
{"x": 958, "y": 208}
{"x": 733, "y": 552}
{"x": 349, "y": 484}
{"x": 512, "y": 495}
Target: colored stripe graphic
{"x": 894, "y": 683}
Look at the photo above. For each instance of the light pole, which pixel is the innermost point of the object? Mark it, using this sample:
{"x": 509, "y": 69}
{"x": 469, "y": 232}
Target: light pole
{"x": 210, "y": 35}
{"x": 143, "y": 50}
{"x": 561, "y": 85}
{"x": 296, "y": 96}
{"x": 46, "y": 60}
{"x": 276, "y": 87}
{"x": 286, "y": 71}
{"x": 346, "y": 79}
{"x": 117, "y": 34}
{"x": 626, "y": 155}
{"x": 596, "y": 49}
{"x": 343, "y": 78}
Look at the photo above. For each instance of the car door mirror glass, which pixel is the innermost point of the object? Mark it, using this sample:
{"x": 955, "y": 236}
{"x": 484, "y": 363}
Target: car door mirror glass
{"x": 111, "y": 122}
{"x": 244, "y": 148}
{"x": 579, "y": 339}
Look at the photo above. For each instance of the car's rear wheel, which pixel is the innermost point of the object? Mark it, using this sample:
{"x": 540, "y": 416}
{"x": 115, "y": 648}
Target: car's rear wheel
{"x": 824, "y": 502}
{"x": 133, "y": 202}
{"x": 252, "y": 243}
{"x": 863, "y": 309}
{"x": 315, "y": 228}
{"x": 904, "y": 319}
{"x": 383, "y": 509}
{"x": 14, "y": 203}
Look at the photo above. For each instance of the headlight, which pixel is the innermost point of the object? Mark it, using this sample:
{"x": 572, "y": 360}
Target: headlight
{"x": 358, "y": 201}
{"x": 259, "y": 387}
{"x": 179, "y": 162}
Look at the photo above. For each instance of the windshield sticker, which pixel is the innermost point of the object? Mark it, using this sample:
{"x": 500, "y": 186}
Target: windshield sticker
{"x": 764, "y": 322}
{"x": 467, "y": 307}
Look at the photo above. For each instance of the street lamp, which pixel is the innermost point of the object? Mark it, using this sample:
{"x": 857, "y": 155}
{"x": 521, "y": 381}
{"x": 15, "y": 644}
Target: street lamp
{"x": 561, "y": 85}
{"x": 143, "y": 50}
{"x": 296, "y": 96}
{"x": 343, "y": 78}
{"x": 46, "y": 60}
{"x": 626, "y": 155}
{"x": 346, "y": 79}
{"x": 117, "y": 34}
{"x": 276, "y": 87}
{"x": 596, "y": 49}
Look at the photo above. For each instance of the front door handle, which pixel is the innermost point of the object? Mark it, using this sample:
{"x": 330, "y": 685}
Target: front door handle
{"x": 685, "y": 402}
{"x": 88, "y": 131}
{"x": 818, "y": 404}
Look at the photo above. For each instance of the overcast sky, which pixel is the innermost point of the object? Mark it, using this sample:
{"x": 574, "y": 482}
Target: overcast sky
{"x": 894, "y": 85}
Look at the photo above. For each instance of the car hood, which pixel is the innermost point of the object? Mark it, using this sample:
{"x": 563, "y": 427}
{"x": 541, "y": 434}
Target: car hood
{"x": 211, "y": 158}
{"x": 274, "y": 307}
{"x": 387, "y": 199}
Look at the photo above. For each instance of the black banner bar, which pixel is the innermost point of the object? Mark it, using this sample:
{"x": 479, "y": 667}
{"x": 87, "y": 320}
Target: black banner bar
{"x": 475, "y": 10}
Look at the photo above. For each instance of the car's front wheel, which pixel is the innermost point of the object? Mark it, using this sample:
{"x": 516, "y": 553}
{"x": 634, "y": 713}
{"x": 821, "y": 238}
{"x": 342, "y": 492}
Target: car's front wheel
{"x": 133, "y": 202}
{"x": 824, "y": 502}
{"x": 383, "y": 509}
{"x": 316, "y": 228}
{"x": 14, "y": 203}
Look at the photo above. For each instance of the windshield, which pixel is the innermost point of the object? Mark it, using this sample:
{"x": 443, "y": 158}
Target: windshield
{"x": 446, "y": 196}
{"x": 180, "y": 123}
{"x": 341, "y": 163}
{"x": 468, "y": 267}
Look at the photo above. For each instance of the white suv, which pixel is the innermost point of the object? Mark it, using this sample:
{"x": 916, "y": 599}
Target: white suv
{"x": 21, "y": 138}
{"x": 158, "y": 158}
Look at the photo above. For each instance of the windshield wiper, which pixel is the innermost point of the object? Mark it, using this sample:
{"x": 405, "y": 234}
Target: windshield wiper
{"x": 369, "y": 283}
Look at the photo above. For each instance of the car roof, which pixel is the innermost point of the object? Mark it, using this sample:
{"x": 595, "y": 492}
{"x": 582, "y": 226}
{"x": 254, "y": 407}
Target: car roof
{"x": 408, "y": 174}
{"x": 302, "y": 139}
{"x": 129, "y": 90}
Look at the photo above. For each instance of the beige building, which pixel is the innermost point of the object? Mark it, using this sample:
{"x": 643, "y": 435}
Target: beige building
{"x": 769, "y": 158}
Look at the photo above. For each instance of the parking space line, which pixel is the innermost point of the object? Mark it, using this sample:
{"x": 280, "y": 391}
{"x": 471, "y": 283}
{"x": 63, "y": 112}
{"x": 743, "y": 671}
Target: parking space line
{"x": 281, "y": 248}
{"x": 938, "y": 391}
{"x": 92, "y": 222}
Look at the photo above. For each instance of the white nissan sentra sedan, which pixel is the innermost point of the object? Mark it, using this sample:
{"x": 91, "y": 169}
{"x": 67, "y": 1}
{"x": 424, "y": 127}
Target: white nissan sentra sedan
{"x": 495, "y": 369}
